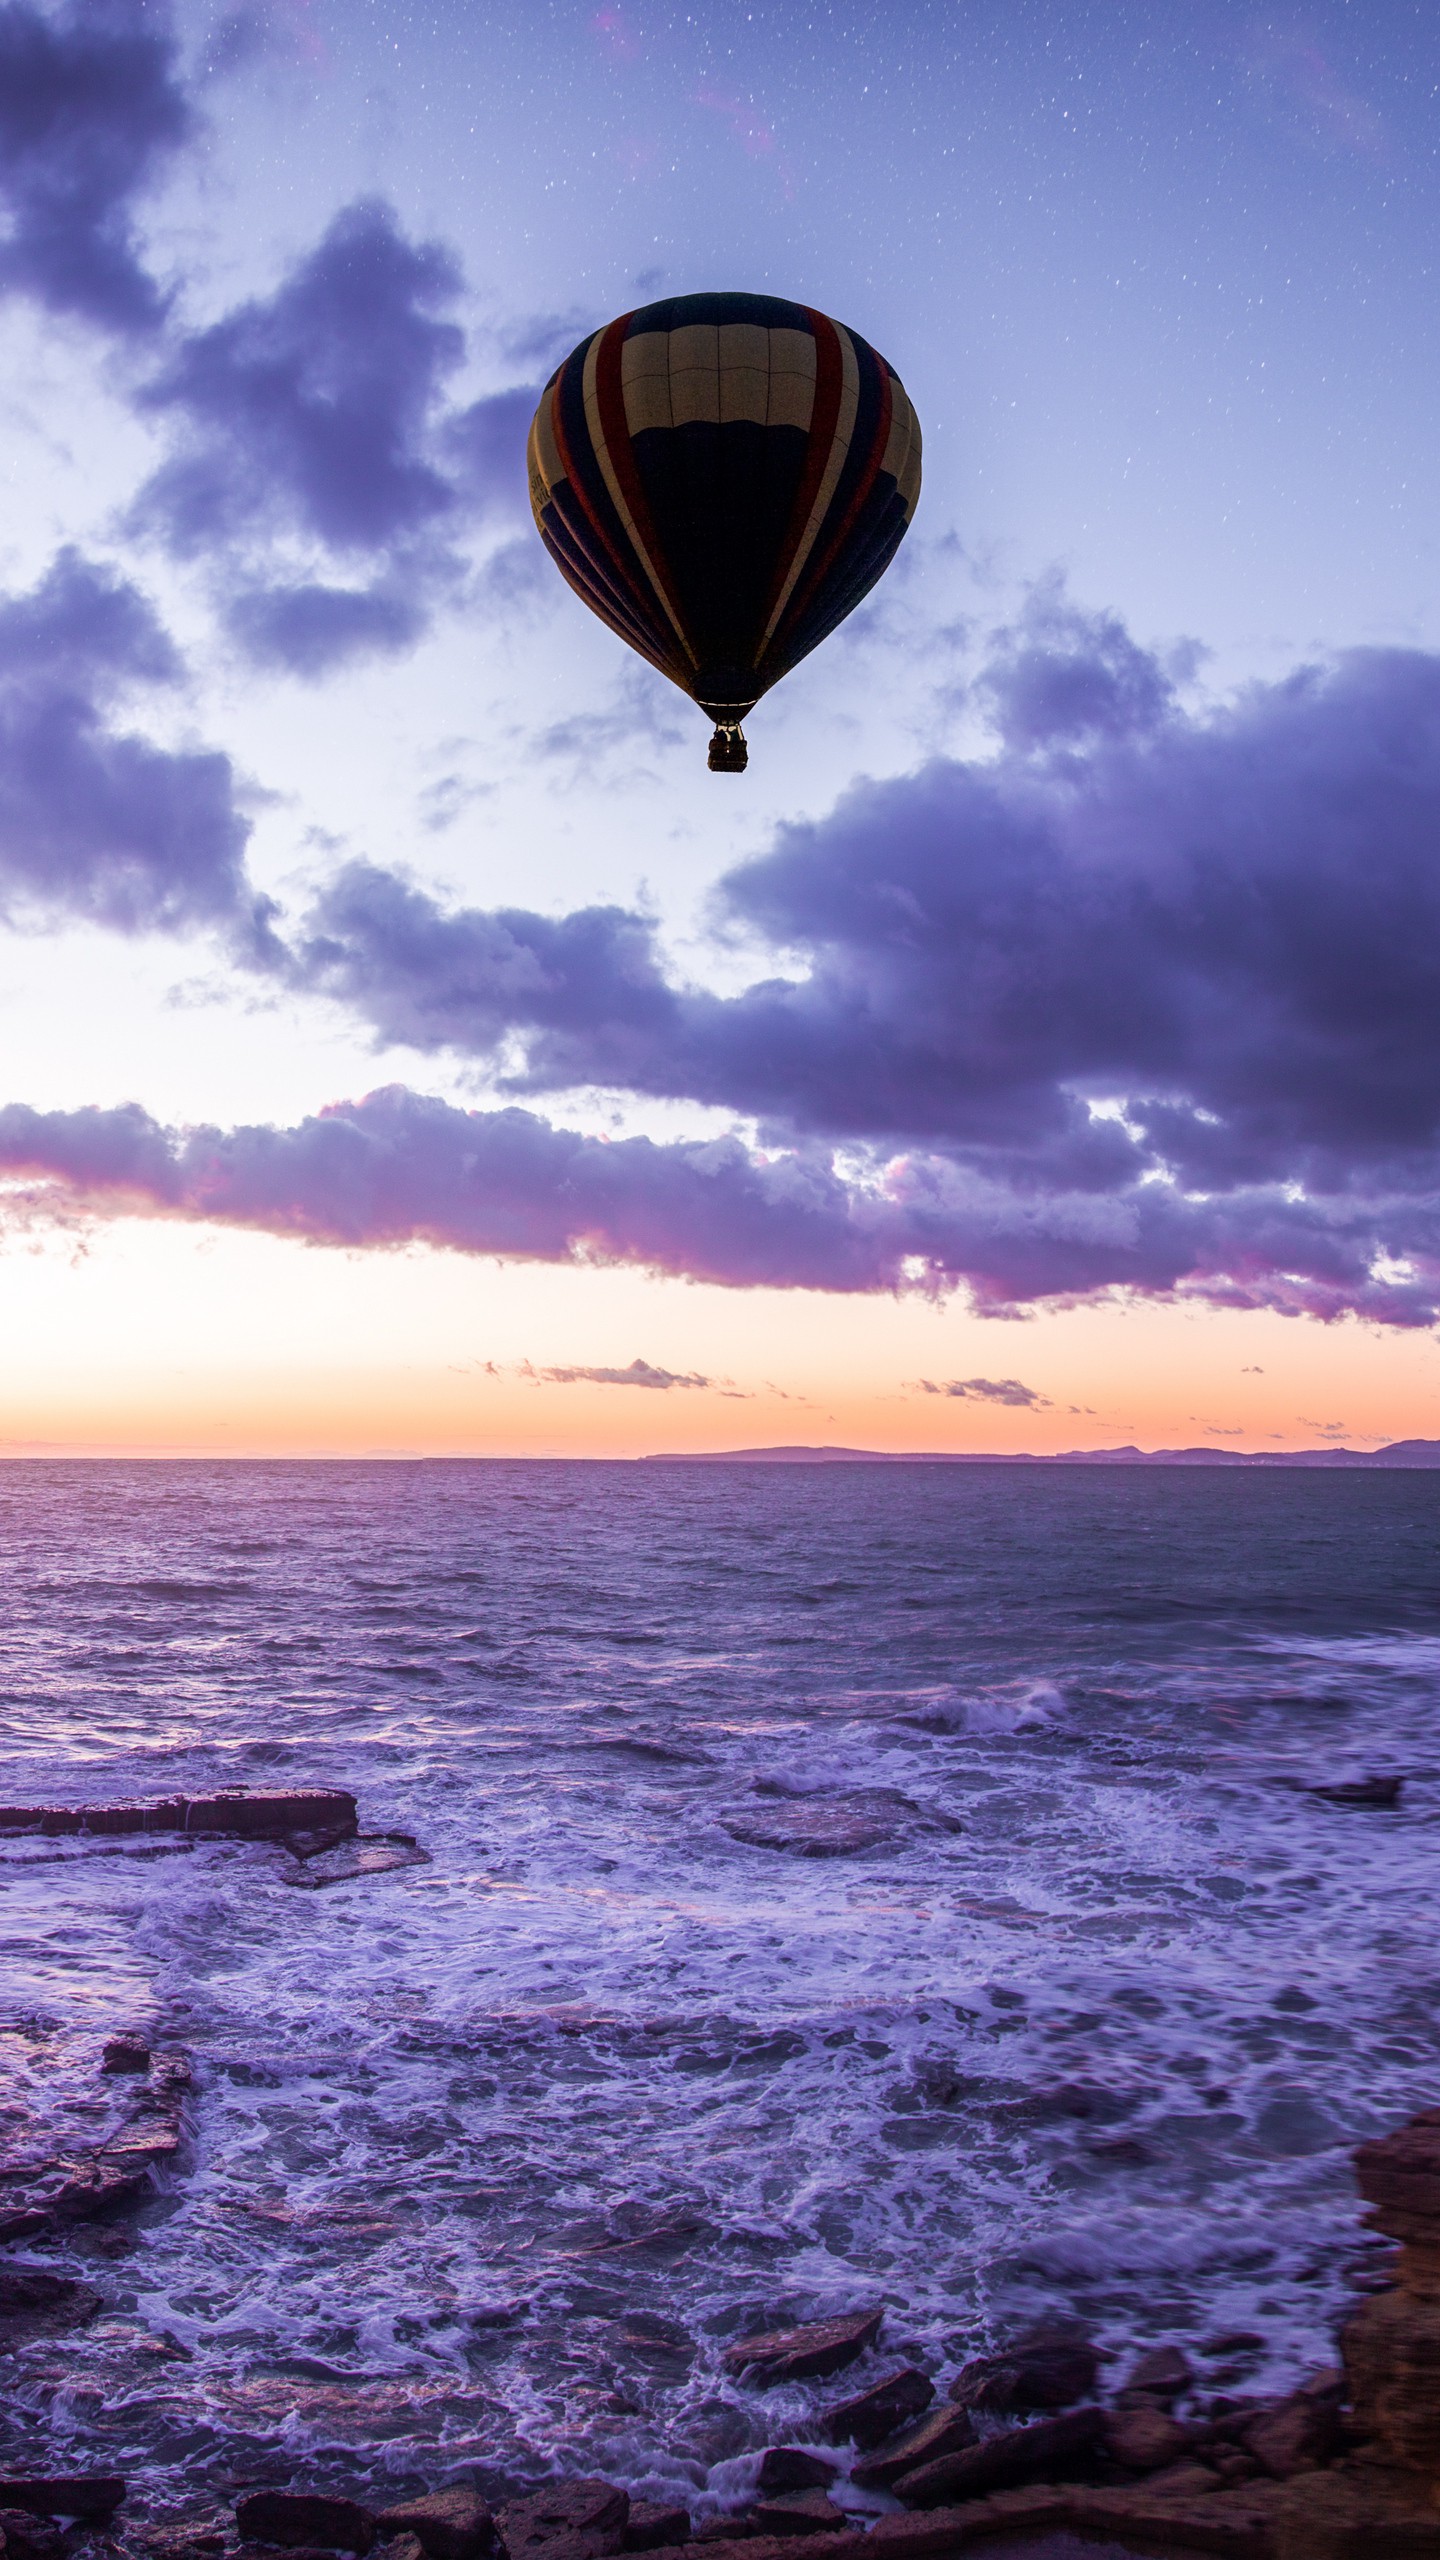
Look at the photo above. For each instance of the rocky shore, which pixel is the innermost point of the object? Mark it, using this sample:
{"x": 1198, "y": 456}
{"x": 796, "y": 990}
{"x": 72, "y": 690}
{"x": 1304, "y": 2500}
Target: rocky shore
{"x": 1034, "y": 2449}
{"x": 1046, "y": 2446}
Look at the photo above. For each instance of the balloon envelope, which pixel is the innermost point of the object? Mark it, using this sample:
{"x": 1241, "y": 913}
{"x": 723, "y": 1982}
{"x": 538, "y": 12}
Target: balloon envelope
{"x": 722, "y": 477}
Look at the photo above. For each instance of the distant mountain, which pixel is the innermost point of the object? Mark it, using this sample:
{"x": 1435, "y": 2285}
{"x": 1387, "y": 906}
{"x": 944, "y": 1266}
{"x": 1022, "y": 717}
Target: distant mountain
{"x": 1400, "y": 1453}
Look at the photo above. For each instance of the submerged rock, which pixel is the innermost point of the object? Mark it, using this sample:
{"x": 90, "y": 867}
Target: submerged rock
{"x": 301, "y": 2519}
{"x": 28, "y": 2537}
{"x": 35, "y": 2304}
{"x": 1359, "y": 1791}
{"x": 874, "y": 2415}
{"x": 126, "y": 2053}
{"x": 797, "y": 2355}
{"x": 566, "y": 2520}
{"x": 76, "y": 2186}
{"x": 370, "y": 1853}
{"x": 451, "y": 2524}
{"x": 832, "y": 1826}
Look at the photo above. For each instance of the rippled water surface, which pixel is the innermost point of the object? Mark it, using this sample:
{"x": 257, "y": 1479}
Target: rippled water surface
{"x": 490, "y": 2157}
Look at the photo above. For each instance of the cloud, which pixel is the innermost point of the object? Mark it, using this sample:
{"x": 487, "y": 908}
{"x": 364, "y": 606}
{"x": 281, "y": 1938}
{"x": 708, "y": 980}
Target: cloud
{"x": 1150, "y": 998}
{"x": 309, "y": 426}
{"x": 398, "y": 1168}
{"x": 91, "y": 110}
{"x": 95, "y": 821}
{"x": 988, "y": 1391}
{"x": 639, "y": 1374}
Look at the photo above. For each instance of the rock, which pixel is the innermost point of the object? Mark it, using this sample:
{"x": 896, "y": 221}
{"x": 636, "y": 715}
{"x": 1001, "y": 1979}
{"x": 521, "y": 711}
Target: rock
{"x": 297, "y": 2518}
{"x": 29, "y": 2537}
{"x": 807, "y": 2511}
{"x": 1360, "y": 1791}
{"x": 370, "y": 1853}
{"x": 451, "y": 2524}
{"x": 401, "y": 2546}
{"x": 1392, "y": 2357}
{"x": 722, "y": 2529}
{"x": 126, "y": 2053}
{"x": 824, "y": 1826}
{"x": 875, "y": 2414}
{"x": 1349, "y": 2514}
{"x": 798, "y": 2355}
{"x": 79, "y": 2187}
{"x": 91, "y": 2495}
{"x": 946, "y": 2430}
{"x": 1144, "y": 2439}
{"x": 1047, "y": 2368}
{"x": 243, "y": 1813}
{"x": 787, "y": 2467}
{"x": 1298, "y": 2434}
{"x": 655, "y": 2528}
{"x": 1055, "y": 2449}
{"x": 1235, "y": 2525}
{"x": 569, "y": 2519}
{"x": 35, "y": 2304}
{"x": 1400, "y": 2181}
{"x": 1163, "y": 2374}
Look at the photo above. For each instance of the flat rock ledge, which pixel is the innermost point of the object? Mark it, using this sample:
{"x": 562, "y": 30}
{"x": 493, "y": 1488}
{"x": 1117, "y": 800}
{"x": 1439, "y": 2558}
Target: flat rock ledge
{"x": 239, "y": 1813}
{"x": 79, "y": 2186}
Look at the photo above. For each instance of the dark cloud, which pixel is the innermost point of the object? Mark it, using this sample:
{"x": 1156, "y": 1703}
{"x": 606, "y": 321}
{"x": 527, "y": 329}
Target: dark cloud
{"x": 987, "y": 1391}
{"x": 640, "y": 1373}
{"x": 1157, "y": 991}
{"x": 91, "y": 108}
{"x": 315, "y": 418}
{"x": 95, "y": 821}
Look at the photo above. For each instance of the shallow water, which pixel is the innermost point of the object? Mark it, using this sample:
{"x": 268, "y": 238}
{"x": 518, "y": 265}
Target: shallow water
{"x": 491, "y": 2156}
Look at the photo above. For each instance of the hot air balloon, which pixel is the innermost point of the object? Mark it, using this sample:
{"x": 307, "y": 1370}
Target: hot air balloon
{"x": 721, "y": 478}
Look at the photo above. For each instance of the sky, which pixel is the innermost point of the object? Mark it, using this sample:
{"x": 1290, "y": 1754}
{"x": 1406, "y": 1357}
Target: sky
{"x": 409, "y": 1047}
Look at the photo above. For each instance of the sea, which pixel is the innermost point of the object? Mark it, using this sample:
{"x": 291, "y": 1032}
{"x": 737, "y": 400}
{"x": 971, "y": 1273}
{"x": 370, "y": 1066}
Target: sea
{"x": 845, "y": 1885}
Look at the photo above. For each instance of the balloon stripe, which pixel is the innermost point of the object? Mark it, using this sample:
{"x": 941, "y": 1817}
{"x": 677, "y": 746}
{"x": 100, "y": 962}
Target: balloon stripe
{"x": 574, "y": 452}
{"x": 610, "y": 438}
{"x": 828, "y": 452}
{"x": 865, "y": 483}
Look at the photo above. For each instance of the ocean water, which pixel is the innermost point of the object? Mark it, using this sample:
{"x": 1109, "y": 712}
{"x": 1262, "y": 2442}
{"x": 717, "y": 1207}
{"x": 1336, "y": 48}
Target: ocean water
{"x": 490, "y": 2157}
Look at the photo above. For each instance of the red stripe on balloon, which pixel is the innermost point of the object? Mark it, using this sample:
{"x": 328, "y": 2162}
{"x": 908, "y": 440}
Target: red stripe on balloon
{"x": 627, "y": 575}
{"x": 815, "y": 577}
{"x": 824, "y": 419}
{"x": 615, "y": 426}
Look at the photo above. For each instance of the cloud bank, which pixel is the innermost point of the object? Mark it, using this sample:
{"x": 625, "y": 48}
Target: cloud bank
{"x": 1149, "y": 999}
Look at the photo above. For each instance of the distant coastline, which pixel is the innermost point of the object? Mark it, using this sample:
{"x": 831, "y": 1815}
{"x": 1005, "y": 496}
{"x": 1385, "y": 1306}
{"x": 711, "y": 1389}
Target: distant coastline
{"x": 1398, "y": 1453}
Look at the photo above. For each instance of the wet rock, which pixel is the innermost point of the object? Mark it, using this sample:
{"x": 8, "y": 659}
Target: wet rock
{"x": 242, "y": 1813}
{"x": 1299, "y": 2434}
{"x": 823, "y": 1826}
{"x": 651, "y": 2527}
{"x": 1359, "y": 1791}
{"x": 35, "y": 2304}
{"x": 299, "y": 2518}
{"x": 1054, "y": 2449}
{"x": 370, "y": 1853}
{"x": 401, "y": 2546}
{"x": 788, "y": 2467}
{"x": 1350, "y": 2514}
{"x": 874, "y": 2415}
{"x": 1144, "y": 2439}
{"x": 806, "y": 2511}
{"x": 89, "y": 2495}
{"x": 566, "y": 2520}
{"x": 126, "y": 2053}
{"x": 1233, "y": 2524}
{"x": 946, "y": 2430}
{"x": 1046, "y": 2368}
{"x": 80, "y": 2186}
{"x": 1163, "y": 2374}
{"x": 723, "y": 2530}
{"x": 798, "y": 2355}
{"x": 451, "y": 2524}
{"x": 29, "y": 2537}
